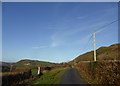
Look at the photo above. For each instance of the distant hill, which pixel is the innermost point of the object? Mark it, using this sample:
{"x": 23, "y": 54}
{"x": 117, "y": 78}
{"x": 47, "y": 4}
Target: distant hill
{"x": 23, "y": 64}
{"x": 103, "y": 53}
{"x": 5, "y": 66}
{"x": 26, "y": 63}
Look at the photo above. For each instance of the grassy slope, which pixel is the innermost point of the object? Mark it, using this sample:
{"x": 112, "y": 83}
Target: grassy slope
{"x": 103, "y": 53}
{"x": 52, "y": 77}
{"x": 20, "y": 66}
{"x": 32, "y": 64}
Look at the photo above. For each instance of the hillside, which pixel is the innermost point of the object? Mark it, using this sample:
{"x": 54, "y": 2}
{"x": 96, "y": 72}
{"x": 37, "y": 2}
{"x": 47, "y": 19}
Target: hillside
{"x": 23, "y": 65}
{"x": 103, "y": 53}
{"x": 26, "y": 63}
{"x": 32, "y": 62}
{"x": 4, "y": 66}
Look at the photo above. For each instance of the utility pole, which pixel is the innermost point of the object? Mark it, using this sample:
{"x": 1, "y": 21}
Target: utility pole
{"x": 39, "y": 70}
{"x": 94, "y": 37}
{"x": 74, "y": 62}
{"x": 11, "y": 67}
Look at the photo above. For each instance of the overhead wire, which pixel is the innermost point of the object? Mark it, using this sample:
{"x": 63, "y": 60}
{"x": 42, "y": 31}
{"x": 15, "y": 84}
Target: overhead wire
{"x": 101, "y": 28}
{"x": 106, "y": 25}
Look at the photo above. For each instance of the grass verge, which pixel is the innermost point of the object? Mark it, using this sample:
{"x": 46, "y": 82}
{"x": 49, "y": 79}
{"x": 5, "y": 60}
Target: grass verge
{"x": 52, "y": 77}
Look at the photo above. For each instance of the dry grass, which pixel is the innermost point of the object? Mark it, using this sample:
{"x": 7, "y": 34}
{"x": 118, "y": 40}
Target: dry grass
{"x": 103, "y": 53}
{"x": 100, "y": 72}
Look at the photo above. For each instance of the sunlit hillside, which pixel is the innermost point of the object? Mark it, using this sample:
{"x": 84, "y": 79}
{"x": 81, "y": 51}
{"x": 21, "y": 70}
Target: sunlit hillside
{"x": 103, "y": 53}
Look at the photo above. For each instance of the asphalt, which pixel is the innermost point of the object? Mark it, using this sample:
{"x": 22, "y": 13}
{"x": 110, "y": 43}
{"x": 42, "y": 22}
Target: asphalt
{"x": 71, "y": 76}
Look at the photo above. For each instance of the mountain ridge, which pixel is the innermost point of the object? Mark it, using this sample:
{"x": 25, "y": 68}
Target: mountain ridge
{"x": 103, "y": 53}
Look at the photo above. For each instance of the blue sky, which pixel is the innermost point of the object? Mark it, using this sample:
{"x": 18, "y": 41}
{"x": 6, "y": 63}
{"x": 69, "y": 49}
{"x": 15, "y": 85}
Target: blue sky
{"x": 55, "y": 32}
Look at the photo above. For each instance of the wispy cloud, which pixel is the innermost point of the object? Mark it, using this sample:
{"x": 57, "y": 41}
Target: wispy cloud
{"x": 63, "y": 35}
{"x": 39, "y": 47}
{"x": 58, "y": 39}
{"x": 81, "y": 17}
{"x": 55, "y": 44}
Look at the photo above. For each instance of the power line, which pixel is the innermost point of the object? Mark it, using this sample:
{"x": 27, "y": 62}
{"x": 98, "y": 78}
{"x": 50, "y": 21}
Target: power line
{"x": 99, "y": 30}
{"x": 96, "y": 31}
{"x": 88, "y": 42}
{"x": 107, "y": 25}
{"x": 86, "y": 45}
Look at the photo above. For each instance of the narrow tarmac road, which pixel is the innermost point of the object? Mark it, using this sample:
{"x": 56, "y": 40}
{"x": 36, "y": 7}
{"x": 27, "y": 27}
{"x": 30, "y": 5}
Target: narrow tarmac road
{"x": 71, "y": 76}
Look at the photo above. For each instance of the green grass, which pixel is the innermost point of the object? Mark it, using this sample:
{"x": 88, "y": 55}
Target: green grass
{"x": 52, "y": 77}
{"x": 21, "y": 65}
{"x": 34, "y": 72}
{"x": 7, "y": 73}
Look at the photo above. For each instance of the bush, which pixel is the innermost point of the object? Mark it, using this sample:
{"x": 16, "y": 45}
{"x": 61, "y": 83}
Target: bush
{"x": 14, "y": 79}
{"x": 100, "y": 72}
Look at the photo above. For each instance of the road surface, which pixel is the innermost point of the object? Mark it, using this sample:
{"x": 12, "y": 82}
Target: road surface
{"x": 71, "y": 76}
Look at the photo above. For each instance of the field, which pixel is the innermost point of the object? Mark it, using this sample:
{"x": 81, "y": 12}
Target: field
{"x": 51, "y": 77}
{"x": 106, "y": 70}
{"x": 20, "y": 72}
{"x": 47, "y": 77}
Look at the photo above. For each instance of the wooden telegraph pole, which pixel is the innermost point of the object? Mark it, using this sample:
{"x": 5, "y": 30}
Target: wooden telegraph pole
{"x": 11, "y": 67}
{"x": 94, "y": 37}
